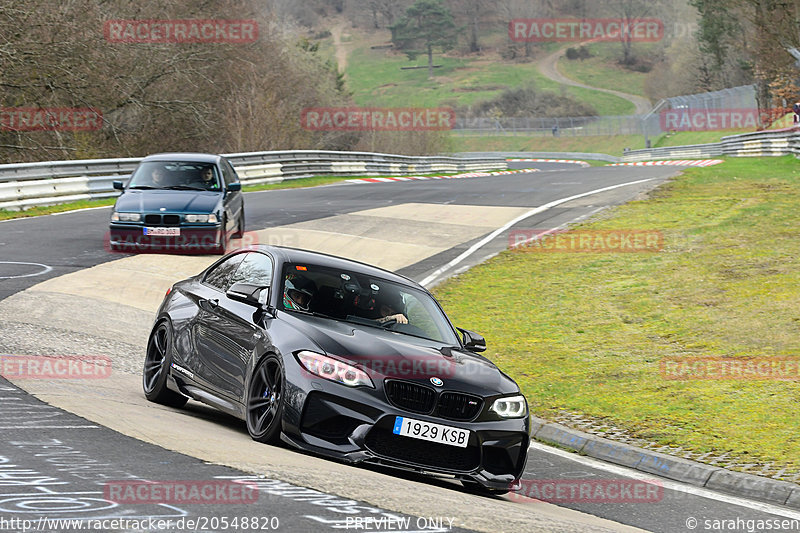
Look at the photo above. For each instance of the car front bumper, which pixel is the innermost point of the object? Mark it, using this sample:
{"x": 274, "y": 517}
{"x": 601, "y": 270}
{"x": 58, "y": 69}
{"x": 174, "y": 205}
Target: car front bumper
{"x": 354, "y": 425}
{"x": 126, "y": 237}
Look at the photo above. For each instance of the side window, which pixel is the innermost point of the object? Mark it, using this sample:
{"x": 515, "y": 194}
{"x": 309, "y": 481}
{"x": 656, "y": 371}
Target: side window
{"x": 256, "y": 269}
{"x": 221, "y": 278}
{"x": 227, "y": 172}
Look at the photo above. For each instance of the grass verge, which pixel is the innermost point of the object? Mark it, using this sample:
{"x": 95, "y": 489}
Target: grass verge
{"x": 585, "y": 332}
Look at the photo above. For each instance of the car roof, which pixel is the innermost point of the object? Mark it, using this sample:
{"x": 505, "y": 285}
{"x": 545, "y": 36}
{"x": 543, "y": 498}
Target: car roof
{"x": 184, "y": 156}
{"x": 296, "y": 255}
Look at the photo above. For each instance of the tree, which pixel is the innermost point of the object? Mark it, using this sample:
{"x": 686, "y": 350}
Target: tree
{"x": 426, "y": 25}
{"x": 629, "y": 11}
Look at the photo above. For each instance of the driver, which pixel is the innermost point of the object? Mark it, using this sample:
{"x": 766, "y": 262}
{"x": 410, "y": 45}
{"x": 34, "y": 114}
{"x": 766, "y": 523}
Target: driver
{"x": 298, "y": 292}
{"x": 391, "y": 308}
{"x": 159, "y": 177}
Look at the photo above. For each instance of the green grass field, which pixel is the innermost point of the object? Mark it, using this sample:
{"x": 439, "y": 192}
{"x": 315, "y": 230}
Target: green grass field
{"x": 586, "y": 332}
{"x": 603, "y": 70}
{"x": 375, "y": 77}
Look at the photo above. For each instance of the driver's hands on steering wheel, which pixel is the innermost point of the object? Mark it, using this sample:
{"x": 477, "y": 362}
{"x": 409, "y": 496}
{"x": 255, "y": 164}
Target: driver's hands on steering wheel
{"x": 399, "y": 318}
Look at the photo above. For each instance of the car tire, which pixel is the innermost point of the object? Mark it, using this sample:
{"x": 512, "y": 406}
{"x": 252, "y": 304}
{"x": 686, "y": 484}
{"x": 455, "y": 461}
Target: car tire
{"x": 476, "y": 488}
{"x": 265, "y": 399}
{"x": 240, "y": 227}
{"x": 156, "y": 367}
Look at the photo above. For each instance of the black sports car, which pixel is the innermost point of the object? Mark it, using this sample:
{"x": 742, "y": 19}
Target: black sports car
{"x": 339, "y": 358}
{"x": 189, "y": 202}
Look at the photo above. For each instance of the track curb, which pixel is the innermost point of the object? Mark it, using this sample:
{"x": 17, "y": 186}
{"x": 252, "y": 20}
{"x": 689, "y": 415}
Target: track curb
{"x": 668, "y": 466}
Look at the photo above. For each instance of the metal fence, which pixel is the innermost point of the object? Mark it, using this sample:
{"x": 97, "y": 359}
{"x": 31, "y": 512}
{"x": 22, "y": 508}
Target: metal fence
{"x": 29, "y": 184}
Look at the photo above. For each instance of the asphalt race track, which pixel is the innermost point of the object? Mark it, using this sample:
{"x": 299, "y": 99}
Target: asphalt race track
{"x": 62, "y": 293}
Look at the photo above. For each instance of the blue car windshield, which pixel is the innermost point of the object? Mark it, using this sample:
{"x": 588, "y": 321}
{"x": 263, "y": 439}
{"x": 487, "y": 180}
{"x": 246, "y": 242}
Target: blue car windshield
{"x": 354, "y": 297}
{"x": 175, "y": 175}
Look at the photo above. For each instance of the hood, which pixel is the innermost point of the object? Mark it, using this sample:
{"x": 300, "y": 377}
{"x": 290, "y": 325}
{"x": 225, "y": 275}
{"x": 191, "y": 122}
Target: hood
{"x": 173, "y": 201}
{"x": 386, "y": 354}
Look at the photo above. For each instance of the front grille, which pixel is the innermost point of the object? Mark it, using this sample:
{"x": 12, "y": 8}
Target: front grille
{"x": 410, "y": 396}
{"x": 384, "y": 443}
{"x": 459, "y": 406}
{"x": 168, "y": 220}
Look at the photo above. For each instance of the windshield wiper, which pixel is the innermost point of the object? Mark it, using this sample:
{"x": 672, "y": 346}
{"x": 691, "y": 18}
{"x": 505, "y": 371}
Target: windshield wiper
{"x": 142, "y": 187}
{"x": 184, "y": 188}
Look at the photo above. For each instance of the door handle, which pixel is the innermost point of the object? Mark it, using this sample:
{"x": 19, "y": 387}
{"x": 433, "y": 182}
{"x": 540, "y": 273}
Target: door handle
{"x": 213, "y": 302}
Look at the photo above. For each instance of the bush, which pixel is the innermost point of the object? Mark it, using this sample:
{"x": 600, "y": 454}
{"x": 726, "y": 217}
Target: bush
{"x": 528, "y": 102}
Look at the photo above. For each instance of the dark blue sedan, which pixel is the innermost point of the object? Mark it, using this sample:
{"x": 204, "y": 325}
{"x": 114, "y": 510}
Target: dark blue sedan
{"x": 187, "y": 202}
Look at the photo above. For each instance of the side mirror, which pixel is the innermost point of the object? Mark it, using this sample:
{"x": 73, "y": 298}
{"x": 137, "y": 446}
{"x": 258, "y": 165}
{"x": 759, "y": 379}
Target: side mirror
{"x": 118, "y": 185}
{"x": 472, "y": 341}
{"x": 233, "y": 187}
{"x": 248, "y": 293}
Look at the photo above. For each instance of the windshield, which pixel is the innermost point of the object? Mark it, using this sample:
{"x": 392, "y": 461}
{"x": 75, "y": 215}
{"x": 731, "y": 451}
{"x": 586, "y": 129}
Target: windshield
{"x": 359, "y": 299}
{"x": 175, "y": 175}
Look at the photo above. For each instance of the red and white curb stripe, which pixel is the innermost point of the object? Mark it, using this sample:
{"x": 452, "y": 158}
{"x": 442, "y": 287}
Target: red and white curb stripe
{"x": 454, "y": 176}
{"x": 572, "y": 161}
{"x": 679, "y": 163}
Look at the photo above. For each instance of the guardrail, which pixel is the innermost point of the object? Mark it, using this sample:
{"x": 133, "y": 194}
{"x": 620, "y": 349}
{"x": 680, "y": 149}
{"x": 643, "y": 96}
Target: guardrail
{"x": 756, "y": 144}
{"x": 44, "y": 183}
{"x": 545, "y": 155}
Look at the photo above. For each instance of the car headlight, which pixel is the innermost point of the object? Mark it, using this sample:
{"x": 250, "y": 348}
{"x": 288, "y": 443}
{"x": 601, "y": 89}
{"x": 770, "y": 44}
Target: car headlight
{"x": 201, "y": 218}
{"x": 510, "y": 407}
{"x": 126, "y": 217}
{"x": 334, "y": 370}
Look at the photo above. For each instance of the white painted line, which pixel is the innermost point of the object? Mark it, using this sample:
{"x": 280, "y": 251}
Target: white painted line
{"x": 478, "y": 245}
{"x": 666, "y": 483}
{"x": 49, "y": 427}
{"x": 45, "y": 269}
{"x": 83, "y": 209}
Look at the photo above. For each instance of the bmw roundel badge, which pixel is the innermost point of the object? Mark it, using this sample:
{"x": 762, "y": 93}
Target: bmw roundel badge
{"x": 438, "y": 382}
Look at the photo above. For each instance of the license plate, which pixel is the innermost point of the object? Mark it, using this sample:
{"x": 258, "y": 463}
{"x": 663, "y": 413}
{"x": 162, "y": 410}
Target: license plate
{"x": 417, "y": 429}
{"x": 162, "y": 231}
